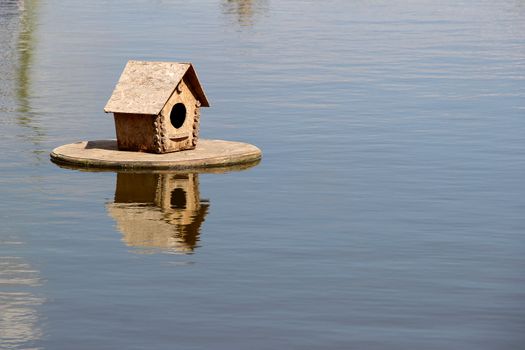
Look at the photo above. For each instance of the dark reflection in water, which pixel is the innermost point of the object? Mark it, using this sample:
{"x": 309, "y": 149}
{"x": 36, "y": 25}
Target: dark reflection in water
{"x": 159, "y": 211}
{"x": 246, "y": 11}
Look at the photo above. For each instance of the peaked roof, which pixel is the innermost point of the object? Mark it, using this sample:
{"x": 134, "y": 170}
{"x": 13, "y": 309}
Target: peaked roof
{"x": 145, "y": 87}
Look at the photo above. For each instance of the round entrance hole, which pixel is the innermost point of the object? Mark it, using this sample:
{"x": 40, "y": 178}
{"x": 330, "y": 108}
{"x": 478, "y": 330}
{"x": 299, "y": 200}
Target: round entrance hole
{"x": 178, "y": 115}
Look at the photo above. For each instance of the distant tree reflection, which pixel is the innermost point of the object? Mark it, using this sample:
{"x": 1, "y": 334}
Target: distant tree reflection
{"x": 246, "y": 11}
{"x": 25, "y": 49}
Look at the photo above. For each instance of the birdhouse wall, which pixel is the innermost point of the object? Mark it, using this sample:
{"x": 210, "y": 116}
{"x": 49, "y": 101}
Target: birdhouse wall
{"x": 135, "y": 132}
{"x": 180, "y": 125}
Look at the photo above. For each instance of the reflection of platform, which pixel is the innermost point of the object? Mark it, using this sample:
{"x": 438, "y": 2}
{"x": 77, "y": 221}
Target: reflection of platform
{"x": 104, "y": 154}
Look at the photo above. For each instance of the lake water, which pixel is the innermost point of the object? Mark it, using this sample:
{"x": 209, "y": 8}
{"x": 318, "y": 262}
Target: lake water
{"x": 388, "y": 211}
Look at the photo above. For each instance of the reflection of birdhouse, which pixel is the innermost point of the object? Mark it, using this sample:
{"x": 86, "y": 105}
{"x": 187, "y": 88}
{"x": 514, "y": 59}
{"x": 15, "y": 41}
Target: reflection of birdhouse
{"x": 156, "y": 106}
{"x": 159, "y": 210}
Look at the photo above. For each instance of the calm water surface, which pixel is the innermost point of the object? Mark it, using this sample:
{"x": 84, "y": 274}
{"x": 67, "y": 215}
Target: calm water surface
{"x": 388, "y": 211}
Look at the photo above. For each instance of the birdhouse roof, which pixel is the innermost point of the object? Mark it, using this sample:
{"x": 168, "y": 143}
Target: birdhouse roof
{"x": 145, "y": 87}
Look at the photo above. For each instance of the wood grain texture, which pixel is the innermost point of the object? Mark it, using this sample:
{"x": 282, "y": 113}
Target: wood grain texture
{"x": 182, "y": 138}
{"x": 135, "y": 132}
{"x": 104, "y": 154}
{"x": 145, "y": 87}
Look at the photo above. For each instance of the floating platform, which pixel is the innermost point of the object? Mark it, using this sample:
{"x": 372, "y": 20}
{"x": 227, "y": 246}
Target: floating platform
{"x": 105, "y": 154}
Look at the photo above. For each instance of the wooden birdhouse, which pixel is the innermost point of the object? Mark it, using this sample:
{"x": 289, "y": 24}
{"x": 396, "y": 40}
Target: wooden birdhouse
{"x": 156, "y": 106}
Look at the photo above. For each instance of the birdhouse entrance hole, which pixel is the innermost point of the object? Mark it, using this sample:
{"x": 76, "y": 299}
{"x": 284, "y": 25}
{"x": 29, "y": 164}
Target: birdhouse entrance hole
{"x": 178, "y": 115}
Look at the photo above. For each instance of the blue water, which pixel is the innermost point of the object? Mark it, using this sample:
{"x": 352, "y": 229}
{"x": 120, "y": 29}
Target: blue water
{"x": 388, "y": 211}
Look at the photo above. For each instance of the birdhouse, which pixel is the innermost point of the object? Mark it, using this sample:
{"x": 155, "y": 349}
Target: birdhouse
{"x": 156, "y": 107}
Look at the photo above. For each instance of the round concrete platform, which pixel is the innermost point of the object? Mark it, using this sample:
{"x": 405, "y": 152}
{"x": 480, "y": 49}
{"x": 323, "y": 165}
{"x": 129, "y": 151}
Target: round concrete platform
{"x": 207, "y": 154}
